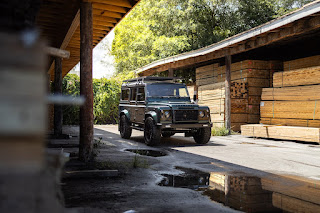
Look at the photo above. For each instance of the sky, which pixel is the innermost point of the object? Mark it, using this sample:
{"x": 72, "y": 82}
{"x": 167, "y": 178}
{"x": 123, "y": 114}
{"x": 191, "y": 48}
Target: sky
{"x": 103, "y": 61}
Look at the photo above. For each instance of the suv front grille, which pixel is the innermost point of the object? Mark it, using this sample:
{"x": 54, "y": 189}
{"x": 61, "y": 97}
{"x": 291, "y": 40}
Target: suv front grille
{"x": 186, "y": 115}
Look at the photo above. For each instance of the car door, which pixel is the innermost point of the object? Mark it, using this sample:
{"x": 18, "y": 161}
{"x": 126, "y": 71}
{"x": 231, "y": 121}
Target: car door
{"x": 133, "y": 103}
{"x": 141, "y": 105}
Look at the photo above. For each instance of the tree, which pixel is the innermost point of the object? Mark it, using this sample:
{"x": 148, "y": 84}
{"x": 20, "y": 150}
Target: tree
{"x": 157, "y": 29}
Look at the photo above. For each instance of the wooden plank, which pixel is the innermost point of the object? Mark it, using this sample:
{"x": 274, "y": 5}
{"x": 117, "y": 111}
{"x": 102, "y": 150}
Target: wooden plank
{"x": 307, "y": 190}
{"x": 107, "y": 13}
{"x": 290, "y": 122}
{"x": 120, "y": 3}
{"x": 109, "y": 7}
{"x": 308, "y": 134}
{"x": 290, "y": 109}
{"x": 305, "y": 76}
{"x": 302, "y": 63}
{"x": 73, "y": 27}
{"x": 298, "y": 93}
{"x": 57, "y": 52}
{"x": 291, "y": 204}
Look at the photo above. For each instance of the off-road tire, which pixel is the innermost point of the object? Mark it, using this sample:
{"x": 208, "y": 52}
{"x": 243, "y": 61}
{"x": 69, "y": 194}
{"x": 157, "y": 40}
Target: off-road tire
{"x": 167, "y": 134}
{"x": 125, "y": 129}
{"x": 152, "y": 133}
{"x": 203, "y": 135}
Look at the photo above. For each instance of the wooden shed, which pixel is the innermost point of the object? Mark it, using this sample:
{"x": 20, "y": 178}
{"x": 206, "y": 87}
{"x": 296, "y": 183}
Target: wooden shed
{"x": 254, "y": 77}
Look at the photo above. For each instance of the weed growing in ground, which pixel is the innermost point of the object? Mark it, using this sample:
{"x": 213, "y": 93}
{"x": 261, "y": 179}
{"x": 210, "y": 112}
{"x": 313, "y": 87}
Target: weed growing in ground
{"x": 221, "y": 131}
{"x": 138, "y": 163}
{"x": 96, "y": 146}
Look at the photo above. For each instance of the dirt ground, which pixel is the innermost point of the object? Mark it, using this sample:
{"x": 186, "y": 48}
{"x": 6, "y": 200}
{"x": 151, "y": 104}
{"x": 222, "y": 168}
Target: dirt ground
{"x": 136, "y": 186}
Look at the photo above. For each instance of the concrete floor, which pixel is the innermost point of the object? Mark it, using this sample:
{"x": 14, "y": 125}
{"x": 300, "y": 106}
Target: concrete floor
{"x": 137, "y": 188}
{"x": 274, "y": 156}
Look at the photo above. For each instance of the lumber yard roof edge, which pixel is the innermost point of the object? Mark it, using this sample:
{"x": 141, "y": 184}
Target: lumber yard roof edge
{"x": 305, "y": 11}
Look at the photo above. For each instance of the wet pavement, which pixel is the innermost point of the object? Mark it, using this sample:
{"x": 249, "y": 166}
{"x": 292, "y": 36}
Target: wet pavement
{"x": 244, "y": 192}
{"x": 228, "y": 174}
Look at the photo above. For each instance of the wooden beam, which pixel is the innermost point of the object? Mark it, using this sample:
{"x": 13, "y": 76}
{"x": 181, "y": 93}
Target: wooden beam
{"x": 228, "y": 93}
{"x": 121, "y": 3}
{"x": 109, "y": 7}
{"x": 103, "y": 23}
{"x": 73, "y": 27}
{"x": 99, "y": 27}
{"x": 86, "y": 89}
{"x": 104, "y": 19}
{"x": 57, "y": 91}
{"x": 107, "y": 13}
{"x": 57, "y": 52}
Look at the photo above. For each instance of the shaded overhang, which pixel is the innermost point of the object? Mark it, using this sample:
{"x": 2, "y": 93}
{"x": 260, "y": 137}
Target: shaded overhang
{"x": 283, "y": 30}
{"x": 59, "y": 24}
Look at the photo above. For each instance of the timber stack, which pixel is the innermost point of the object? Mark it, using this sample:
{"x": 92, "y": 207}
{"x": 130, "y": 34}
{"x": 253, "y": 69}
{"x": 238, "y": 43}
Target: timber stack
{"x": 292, "y": 102}
{"x": 247, "y": 80}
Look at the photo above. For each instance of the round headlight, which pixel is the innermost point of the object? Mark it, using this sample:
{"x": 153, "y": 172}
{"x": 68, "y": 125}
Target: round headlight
{"x": 201, "y": 114}
{"x": 167, "y": 114}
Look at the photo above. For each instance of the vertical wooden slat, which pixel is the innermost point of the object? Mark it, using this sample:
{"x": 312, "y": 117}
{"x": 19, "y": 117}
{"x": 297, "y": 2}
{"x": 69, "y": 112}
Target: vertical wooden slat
{"x": 58, "y": 91}
{"x": 86, "y": 111}
{"x": 227, "y": 93}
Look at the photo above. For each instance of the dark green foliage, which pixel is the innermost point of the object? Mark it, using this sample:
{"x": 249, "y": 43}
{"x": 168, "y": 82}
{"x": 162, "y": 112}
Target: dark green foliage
{"x": 157, "y": 29}
{"x": 106, "y": 99}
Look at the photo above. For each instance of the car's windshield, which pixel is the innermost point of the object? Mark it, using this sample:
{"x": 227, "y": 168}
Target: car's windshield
{"x": 167, "y": 90}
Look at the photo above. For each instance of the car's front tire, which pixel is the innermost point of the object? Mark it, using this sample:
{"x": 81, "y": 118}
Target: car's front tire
{"x": 202, "y": 136}
{"x": 152, "y": 133}
{"x": 125, "y": 128}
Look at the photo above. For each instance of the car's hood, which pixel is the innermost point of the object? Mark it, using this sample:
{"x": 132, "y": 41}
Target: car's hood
{"x": 175, "y": 105}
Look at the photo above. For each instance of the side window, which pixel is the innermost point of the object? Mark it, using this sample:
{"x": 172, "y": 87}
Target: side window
{"x": 125, "y": 94}
{"x": 141, "y": 95}
{"x": 133, "y": 94}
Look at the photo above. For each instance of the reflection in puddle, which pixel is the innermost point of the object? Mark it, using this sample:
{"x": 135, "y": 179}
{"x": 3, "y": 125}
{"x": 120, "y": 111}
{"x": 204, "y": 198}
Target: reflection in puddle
{"x": 252, "y": 194}
{"x": 152, "y": 153}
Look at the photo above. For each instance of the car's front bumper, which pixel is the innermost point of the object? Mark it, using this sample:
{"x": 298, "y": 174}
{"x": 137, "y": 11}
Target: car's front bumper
{"x": 184, "y": 126}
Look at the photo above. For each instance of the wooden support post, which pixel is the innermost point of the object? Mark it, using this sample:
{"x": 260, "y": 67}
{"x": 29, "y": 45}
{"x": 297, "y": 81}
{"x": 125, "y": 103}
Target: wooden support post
{"x": 86, "y": 110}
{"x": 57, "y": 90}
{"x": 170, "y": 74}
{"x": 228, "y": 94}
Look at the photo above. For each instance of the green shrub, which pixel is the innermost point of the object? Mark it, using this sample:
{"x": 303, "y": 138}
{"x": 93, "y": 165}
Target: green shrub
{"x": 220, "y": 131}
{"x": 106, "y": 98}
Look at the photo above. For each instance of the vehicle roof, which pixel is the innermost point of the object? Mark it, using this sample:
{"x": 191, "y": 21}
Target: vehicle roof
{"x": 142, "y": 81}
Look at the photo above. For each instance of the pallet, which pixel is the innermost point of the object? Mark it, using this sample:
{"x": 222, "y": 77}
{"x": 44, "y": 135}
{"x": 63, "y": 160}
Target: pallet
{"x": 307, "y": 134}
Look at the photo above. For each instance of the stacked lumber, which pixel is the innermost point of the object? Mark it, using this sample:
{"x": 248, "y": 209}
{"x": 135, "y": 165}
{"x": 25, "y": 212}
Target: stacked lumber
{"x": 294, "y": 99}
{"x": 212, "y": 95}
{"x": 293, "y": 194}
{"x": 308, "y": 134}
{"x": 300, "y": 63}
{"x": 206, "y": 74}
{"x": 243, "y": 193}
{"x": 247, "y": 80}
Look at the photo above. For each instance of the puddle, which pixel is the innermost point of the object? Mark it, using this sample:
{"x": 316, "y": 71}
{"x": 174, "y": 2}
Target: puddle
{"x": 192, "y": 179}
{"x": 147, "y": 152}
{"x": 249, "y": 193}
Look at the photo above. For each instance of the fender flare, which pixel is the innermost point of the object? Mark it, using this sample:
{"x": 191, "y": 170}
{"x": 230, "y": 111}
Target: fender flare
{"x": 152, "y": 114}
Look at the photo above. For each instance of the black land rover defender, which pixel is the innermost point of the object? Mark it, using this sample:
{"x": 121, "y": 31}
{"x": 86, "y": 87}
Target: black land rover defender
{"x": 160, "y": 106}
